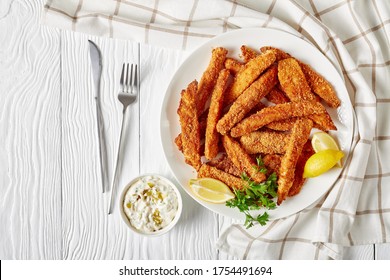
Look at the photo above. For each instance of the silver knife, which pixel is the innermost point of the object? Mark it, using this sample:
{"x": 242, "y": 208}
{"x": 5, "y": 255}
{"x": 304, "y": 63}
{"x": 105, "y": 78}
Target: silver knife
{"x": 96, "y": 62}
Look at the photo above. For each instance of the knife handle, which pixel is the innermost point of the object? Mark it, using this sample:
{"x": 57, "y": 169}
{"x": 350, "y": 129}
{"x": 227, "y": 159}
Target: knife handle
{"x": 102, "y": 145}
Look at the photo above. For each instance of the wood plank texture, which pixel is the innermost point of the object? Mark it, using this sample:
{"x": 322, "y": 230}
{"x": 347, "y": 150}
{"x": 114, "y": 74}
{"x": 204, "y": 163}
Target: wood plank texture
{"x": 382, "y": 251}
{"x": 30, "y": 153}
{"x": 361, "y": 252}
{"x": 89, "y": 233}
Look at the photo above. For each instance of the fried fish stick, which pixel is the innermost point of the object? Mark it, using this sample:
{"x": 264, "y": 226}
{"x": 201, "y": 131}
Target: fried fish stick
{"x": 190, "y": 132}
{"x": 320, "y": 86}
{"x": 278, "y": 52}
{"x": 207, "y": 171}
{"x": 179, "y": 143}
{"x": 248, "y": 74}
{"x": 224, "y": 163}
{"x": 283, "y": 125}
{"x": 272, "y": 162}
{"x": 323, "y": 122}
{"x": 317, "y": 83}
{"x": 209, "y": 77}
{"x": 277, "y": 96}
{"x": 248, "y": 100}
{"x": 265, "y": 142}
{"x": 202, "y": 129}
{"x": 299, "y": 168}
{"x": 241, "y": 159}
{"x": 299, "y": 136}
{"x": 293, "y": 81}
{"x": 247, "y": 53}
{"x": 215, "y": 111}
{"x": 233, "y": 65}
{"x": 258, "y": 107}
{"x": 276, "y": 113}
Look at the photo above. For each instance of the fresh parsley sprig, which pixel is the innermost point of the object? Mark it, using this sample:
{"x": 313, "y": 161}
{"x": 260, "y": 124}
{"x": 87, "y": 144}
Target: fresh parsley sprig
{"x": 254, "y": 196}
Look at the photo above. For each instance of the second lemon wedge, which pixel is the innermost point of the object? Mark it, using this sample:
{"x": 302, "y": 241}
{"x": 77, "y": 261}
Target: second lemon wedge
{"x": 211, "y": 190}
{"x": 321, "y": 162}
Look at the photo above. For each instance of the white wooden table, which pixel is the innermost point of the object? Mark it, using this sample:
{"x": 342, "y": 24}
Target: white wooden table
{"x": 51, "y": 206}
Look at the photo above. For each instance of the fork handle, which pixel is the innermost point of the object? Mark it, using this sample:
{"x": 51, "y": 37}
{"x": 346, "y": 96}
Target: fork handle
{"x": 115, "y": 179}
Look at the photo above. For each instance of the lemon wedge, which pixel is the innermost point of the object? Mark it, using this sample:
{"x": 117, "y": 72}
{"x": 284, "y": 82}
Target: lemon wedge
{"x": 211, "y": 190}
{"x": 323, "y": 141}
{"x": 321, "y": 162}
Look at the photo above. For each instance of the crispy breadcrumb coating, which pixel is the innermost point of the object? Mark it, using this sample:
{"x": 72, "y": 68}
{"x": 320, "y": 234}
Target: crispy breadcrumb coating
{"x": 207, "y": 171}
{"x": 248, "y": 74}
{"x": 241, "y": 159}
{"x": 276, "y": 113}
{"x": 209, "y": 77}
{"x": 265, "y": 142}
{"x": 299, "y": 136}
{"x": 190, "y": 132}
{"x": 215, "y": 111}
{"x": 248, "y": 100}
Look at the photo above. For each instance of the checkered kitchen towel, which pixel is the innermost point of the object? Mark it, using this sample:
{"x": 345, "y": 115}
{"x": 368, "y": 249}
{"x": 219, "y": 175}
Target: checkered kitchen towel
{"x": 353, "y": 35}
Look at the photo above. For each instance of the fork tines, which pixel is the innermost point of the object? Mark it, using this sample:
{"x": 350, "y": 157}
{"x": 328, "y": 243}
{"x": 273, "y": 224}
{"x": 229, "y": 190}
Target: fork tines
{"x": 129, "y": 79}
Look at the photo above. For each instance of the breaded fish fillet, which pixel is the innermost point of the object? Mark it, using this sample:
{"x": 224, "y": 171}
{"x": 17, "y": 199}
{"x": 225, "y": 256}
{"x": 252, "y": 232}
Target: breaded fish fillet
{"x": 320, "y": 86}
{"x": 283, "y": 125}
{"x": 224, "y": 163}
{"x": 317, "y": 83}
{"x": 265, "y": 142}
{"x": 299, "y": 136}
{"x": 248, "y": 74}
{"x": 209, "y": 77}
{"x": 215, "y": 111}
{"x": 277, "y": 96}
{"x": 247, "y": 53}
{"x": 272, "y": 163}
{"x": 293, "y": 81}
{"x": 299, "y": 168}
{"x": 190, "y": 132}
{"x": 248, "y": 100}
{"x": 202, "y": 129}
{"x": 233, "y": 65}
{"x": 294, "y": 84}
{"x": 259, "y": 106}
{"x": 278, "y": 52}
{"x": 241, "y": 159}
{"x": 207, "y": 171}
{"x": 276, "y": 113}
{"x": 323, "y": 122}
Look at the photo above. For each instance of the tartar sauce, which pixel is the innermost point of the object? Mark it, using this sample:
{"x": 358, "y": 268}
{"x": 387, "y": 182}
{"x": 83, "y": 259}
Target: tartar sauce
{"x": 150, "y": 204}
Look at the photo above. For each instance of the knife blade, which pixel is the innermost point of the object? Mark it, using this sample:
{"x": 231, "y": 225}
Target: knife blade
{"x": 96, "y": 63}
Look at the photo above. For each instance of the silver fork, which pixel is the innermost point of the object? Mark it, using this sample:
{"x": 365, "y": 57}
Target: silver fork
{"x": 127, "y": 95}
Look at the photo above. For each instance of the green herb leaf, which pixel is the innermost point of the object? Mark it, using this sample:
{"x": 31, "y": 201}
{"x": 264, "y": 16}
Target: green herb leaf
{"x": 262, "y": 219}
{"x": 255, "y": 196}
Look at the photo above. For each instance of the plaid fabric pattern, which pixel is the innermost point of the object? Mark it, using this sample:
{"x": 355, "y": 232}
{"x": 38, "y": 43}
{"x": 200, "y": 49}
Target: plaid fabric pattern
{"x": 353, "y": 35}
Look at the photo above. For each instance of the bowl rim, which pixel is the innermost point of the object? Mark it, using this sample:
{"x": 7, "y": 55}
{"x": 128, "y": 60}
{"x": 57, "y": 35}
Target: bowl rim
{"x": 170, "y": 225}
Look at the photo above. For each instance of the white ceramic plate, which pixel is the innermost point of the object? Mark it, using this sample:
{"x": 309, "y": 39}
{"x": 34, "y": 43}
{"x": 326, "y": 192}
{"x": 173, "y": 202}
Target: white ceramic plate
{"x": 193, "y": 67}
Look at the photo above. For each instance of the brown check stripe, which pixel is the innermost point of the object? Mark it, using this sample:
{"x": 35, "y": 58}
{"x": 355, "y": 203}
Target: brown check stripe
{"x": 353, "y": 34}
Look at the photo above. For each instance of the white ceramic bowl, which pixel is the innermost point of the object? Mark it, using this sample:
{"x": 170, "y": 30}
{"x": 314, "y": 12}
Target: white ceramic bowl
{"x": 167, "y": 227}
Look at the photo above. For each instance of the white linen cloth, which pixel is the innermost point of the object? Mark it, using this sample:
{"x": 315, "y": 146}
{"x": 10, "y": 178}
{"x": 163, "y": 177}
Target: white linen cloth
{"x": 353, "y": 35}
